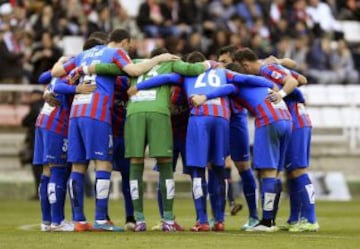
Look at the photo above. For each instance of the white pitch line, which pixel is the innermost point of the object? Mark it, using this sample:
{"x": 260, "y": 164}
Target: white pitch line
{"x": 29, "y": 227}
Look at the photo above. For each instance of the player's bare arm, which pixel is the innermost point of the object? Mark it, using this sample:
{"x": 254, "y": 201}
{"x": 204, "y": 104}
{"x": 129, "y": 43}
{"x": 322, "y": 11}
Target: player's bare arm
{"x": 138, "y": 69}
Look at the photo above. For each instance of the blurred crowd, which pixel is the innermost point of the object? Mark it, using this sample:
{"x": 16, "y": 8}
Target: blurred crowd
{"x": 307, "y": 31}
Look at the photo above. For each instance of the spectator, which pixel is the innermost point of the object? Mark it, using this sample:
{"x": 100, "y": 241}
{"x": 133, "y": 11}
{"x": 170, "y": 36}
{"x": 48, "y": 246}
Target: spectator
{"x": 154, "y": 19}
{"x": 299, "y": 51}
{"x": 318, "y": 60}
{"x": 248, "y": 10}
{"x": 342, "y": 62}
{"x": 320, "y": 12}
{"x": 44, "y": 56}
{"x": 99, "y": 20}
{"x": 11, "y": 70}
{"x": 350, "y": 10}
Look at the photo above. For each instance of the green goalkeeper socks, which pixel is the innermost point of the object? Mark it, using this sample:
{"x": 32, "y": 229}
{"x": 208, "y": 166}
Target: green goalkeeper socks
{"x": 136, "y": 189}
{"x": 167, "y": 188}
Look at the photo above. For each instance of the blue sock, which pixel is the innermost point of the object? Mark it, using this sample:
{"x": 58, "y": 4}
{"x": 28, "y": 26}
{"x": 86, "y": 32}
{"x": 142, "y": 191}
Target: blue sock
{"x": 200, "y": 194}
{"x": 307, "y": 195}
{"x": 44, "y": 200}
{"x": 102, "y": 190}
{"x": 295, "y": 201}
{"x": 277, "y": 197}
{"x": 159, "y": 200}
{"x": 56, "y": 193}
{"x": 211, "y": 191}
{"x": 219, "y": 189}
{"x": 268, "y": 195}
{"x": 249, "y": 188}
{"x": 76, "y": 190}
{"x": 125, "y": 187}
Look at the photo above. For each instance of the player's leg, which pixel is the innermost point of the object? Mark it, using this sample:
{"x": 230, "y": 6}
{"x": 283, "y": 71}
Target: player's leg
{"x": 161, "y": 147}
{"x": 99, "y": 147}
{"x": 77, "y": 156}
{"x": 39, "y": 160}
{"x": 219, "y": 148}
{"x": 43, "y": 197}
{"x": 135, "y": 137}
{"x": 299, "y": 178}
{"x": 197, "y": 144}
{"x": 55, "y": 150}
{"x": 240, "y": 154}
{"x": 266, "y": 159}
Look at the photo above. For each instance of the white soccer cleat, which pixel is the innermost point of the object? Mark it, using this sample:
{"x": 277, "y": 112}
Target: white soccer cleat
{"x": 45, "y": 227}
{"x": 64, "y": 226}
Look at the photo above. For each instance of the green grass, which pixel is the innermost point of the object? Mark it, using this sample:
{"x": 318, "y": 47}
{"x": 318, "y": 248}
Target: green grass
{"x": 339, "y": 223}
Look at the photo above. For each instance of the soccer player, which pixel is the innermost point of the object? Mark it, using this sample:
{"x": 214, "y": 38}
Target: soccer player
{"x": 205, "y": 141}
{"x": 240, "y": 149}
{"x": 50, "y": 152}
{"x": 146, "y": 112}
{"x": 93, "y": 112}
{"x": 272, "y": 133}
{"x": 302, "y": 195}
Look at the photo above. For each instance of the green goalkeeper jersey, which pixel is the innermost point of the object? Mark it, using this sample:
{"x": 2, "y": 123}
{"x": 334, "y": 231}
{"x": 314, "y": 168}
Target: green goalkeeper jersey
{"x": 155, "y": 99}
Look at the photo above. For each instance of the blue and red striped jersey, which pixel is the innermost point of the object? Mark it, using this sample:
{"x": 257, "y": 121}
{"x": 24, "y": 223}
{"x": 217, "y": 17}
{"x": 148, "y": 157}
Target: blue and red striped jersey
{"x": 55, "y": 118}
{"x": 97, "y": 105}
{"x": 295, "y": 100}
{"x": 119, "y": 106}
{"x": 205, "y": 83}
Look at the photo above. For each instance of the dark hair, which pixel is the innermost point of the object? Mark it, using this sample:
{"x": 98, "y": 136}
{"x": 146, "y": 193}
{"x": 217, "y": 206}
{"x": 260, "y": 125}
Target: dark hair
{"x": 195, "y": 57}
{"x": 92, "y": 42}
{"x": 245, "y": 54}
{"x": 118, "y": 35}
{"x": 233, "y": 66}
{"x": 102, "y": 36}
{"x": 158, "y": 51}
{"x": 227, "y": 49}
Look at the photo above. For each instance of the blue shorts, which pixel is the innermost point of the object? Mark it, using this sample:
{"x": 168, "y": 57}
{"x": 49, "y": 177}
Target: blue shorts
{"x": 120, "y": 163}
{"x": 89, "y": 139}
{"x": 298, "y": 153}
{"x": 239, "y": 138}
{"x": 270, "y": 145}
{"x": 207, "y": 140}
{"x": 49, "y": 147}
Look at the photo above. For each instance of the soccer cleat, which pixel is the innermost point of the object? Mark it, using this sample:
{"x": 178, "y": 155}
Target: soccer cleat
{"x": 82, "y": 227}
{"x": 200, "y": 227}
{"x": 45, "y": 227}
{"x": 305, "y": 226}
{"x": 107, "y": 227}
{"x": 235, "y": 208}
{"x": 252, "y": 222}
{"x": 140, "y": 226}
{"x": 288, "y": 226}
{"x": 157, "y": 227}
{"x": 64, "y": 226}
{"x": 168, "y": 226}
{"x": 218, "y": 227}
{"x": 178, "y": 227}
{"x": 129, "y": 226}
{"x": 263, "y": 226}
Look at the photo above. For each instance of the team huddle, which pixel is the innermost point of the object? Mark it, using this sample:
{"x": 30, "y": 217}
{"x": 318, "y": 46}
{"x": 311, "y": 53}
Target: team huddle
{"x": 103, "y": 106}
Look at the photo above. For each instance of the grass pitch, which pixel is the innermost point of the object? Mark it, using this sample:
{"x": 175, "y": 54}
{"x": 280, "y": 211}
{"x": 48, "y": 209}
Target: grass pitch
{"x": 339, "y": 228}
